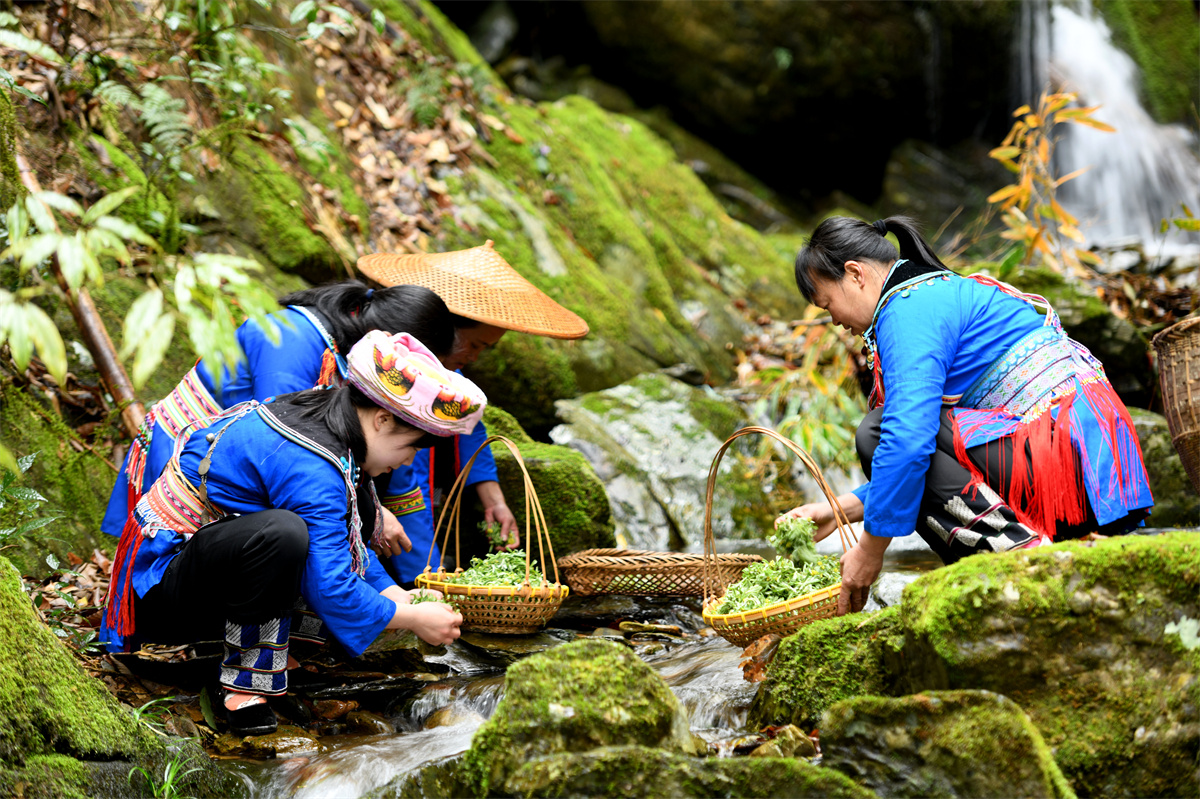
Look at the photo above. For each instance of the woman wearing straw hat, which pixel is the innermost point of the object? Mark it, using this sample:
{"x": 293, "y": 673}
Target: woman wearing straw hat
{"x": 264, "y": 507}
{"x": 306, "y": 349}
{"x": 489, "y": 298}
{"x": 990, "y": 429}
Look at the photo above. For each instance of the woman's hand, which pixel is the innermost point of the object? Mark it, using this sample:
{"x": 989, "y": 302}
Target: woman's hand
{"x": 822, "y": 514}
{"x": 434, "y": 622}
{"x": 495, "y": 511}
{"x": 860, "y": 566}
{"x": 395, "y": 540}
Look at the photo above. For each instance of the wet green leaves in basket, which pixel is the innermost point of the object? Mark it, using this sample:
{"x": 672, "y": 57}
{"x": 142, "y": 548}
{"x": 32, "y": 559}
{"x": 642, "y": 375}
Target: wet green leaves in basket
{"x": 498, "y": 568}
{"x": 793, "y": 539}
{"x": 779, "y": 580}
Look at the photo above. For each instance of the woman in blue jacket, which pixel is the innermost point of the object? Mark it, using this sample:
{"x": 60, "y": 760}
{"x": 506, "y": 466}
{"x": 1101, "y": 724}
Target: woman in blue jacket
{"x": 305, "y": 349}
{"x": 990, "y": 429}
{"x": 256, "y": 530}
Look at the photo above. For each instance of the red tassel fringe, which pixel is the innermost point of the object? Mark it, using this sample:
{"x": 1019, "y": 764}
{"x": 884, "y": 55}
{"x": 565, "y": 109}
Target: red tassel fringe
{"x": 118, "y": 614}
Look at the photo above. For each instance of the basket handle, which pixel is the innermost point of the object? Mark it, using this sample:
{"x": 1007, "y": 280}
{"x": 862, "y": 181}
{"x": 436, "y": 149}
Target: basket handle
{"x": 845, "y": 532}
{"x": 451, "y": 509}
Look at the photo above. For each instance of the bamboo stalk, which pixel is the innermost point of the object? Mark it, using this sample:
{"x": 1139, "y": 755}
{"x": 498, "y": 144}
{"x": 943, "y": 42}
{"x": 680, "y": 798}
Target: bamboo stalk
{"x": 94, "y": 333}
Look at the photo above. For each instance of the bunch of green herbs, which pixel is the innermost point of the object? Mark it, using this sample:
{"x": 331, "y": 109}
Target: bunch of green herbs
{"x": 772, "y": 581}
{"x": 793, "y": 539}
{"x": 495, "y": 538}
{"x": 499, "y": 568}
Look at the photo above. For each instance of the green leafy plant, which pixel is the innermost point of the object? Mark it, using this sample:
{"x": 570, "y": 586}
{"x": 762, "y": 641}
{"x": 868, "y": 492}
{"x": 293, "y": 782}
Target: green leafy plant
{"x": 153, "y": 714}
{"x": 793, "y": 539}
{"x": 1029, "y": 207}
{"x": 495, "y": 538}
{"x": 499, "y": 569}
{"x": 20, "y": 503}
{"x": 773, "y": 581}
{"x": 173, "y": 775}
{"x": 63, "y": 618}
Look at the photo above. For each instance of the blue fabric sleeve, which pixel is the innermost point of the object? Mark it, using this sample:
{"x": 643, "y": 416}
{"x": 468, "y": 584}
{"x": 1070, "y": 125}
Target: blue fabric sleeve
{"x": 293, "y": 365}
{"x": 861, "y": 492}
{"x": 484, "y": 468}
{"x": 917, "y": 337}
{"x": 308, "y": 485}
{"x": 375, "y": 575}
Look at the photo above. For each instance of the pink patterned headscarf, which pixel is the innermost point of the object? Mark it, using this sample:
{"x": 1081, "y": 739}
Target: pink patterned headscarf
{"x": 401, "y": 375}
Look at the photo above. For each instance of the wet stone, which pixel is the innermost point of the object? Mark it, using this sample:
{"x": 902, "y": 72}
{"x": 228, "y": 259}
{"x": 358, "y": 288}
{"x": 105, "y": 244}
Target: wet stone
{"x": 450, "y": 716}
{"x": 671, "y": 630}
{"x": 789, "y": 741}
{"x": 331, "y": 709}
{"x": 377, "y": 694}
{"x": 366, "y": 723}
{"x": 504, "y": 650}
{"x": 397, "y": 651}
{"x": 286, "y": 740}
{"x": 292, "y": 708}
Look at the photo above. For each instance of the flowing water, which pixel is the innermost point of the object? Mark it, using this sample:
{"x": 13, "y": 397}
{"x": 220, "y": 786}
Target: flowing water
{"x": 1139, "y": 175}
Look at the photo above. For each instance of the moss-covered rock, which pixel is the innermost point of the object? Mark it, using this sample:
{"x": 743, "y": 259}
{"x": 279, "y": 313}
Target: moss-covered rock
{"x": 574, "y": 698}
{"x": 652, "y": 441}
{"x": 645, "y": 773}
{"x": 941, "y": 744}
{"x": 61, "y": 733}
{"x": 826, "y": 662}
{"x": 75, "y": 482}
{"x": 573, "y": 499}
{"x": 597, "y": 211}
{"x": 1175, "y": 501}
{"x": 1085, "y": 639}
{"x": 1163, "y": 37}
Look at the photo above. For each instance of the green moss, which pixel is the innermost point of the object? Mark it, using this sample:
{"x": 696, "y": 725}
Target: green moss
{"x": 10, "y": 176}
{"x": 1088, "y": 621}
{"x": 266, "y": 206}
{"x": 75, "y": 484}
{"x": 575, "y": 697}
{"x": 47, "y": 777}
{"x": 639, "y": 771}
{"x": 1163, "y": 38}
{"x": 47, "y": 703}
{"x": 826, "y": 662}
{"x": 424, "y": 22}
{"x": 335, "y": 170}
{"x": 933, "y": 744}
{"x": 500, "y": 422}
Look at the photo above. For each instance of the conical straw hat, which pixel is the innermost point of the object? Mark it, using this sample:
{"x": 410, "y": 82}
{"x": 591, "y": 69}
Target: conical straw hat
{"x": 478, "y": 284}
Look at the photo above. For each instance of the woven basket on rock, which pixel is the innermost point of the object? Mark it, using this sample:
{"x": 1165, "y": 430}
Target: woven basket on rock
{"x": 782, "y": 618}
{"x": 641, "y": 573}
{"x": 518, "y": 609}
{"x": 1178, "y": 350}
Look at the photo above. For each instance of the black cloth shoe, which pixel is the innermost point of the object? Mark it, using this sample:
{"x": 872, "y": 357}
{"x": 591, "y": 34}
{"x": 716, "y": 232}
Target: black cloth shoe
{"x": 256, "y": 719}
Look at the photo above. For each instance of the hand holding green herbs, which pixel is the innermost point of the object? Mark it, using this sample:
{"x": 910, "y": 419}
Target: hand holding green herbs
{"x": 774, "y": 581}
{"x": 494, "y": 536}
{"x": 793, "y": 539}
{"x": 499, "y": 568}
{"x": 420, "y": 597}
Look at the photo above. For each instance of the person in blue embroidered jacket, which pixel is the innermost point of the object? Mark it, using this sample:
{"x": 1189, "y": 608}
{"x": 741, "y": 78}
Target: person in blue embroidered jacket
{"x": 266, "y": 507}
{"x": 488, "y": 297}
{"x": 990, "y": 429}
{"x": 304, "y": 349}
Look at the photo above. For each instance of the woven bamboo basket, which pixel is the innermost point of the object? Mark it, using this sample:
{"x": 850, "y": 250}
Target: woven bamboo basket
{"x": 641, "y": 573}
{"x": 515, "y": 610}
{"x": 782, "y": 618}
{"x": 1178, "y": 350}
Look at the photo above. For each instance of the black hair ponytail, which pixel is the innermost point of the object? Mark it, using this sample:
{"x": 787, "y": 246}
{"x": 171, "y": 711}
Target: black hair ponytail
{"x": 839, "y": 239}
{"x": 351, "y": 309}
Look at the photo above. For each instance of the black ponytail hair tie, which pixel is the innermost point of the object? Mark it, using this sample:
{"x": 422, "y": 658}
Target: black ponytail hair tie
{"x": 880, "y": 227}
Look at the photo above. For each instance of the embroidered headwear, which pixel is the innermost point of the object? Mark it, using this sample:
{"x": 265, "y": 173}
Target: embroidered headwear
{"x": 401, "y": 375}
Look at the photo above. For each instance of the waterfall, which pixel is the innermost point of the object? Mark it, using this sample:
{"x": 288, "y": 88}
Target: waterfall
{"x": 1139, "y": 175}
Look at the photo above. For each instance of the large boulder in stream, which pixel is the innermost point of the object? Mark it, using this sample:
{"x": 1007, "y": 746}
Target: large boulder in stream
{"x": 941, "y": 745}
{"x": 62, "y": 734}
{"x": 575, "y": 698}
{"x": 652, "y": 441}
{"x": 1095, "y": 641}
{"x": 639, "y": 771}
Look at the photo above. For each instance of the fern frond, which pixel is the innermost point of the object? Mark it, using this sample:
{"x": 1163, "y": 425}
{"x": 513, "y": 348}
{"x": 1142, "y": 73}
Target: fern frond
{"x": 163, "y": 116}
{"x": 117, "y": 94}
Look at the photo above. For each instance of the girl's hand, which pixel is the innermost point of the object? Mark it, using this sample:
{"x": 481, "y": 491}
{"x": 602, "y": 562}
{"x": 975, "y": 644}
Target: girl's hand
{"x": 395, "y": 540}
{"x": 860, "y": 566}
{"x": 495, "y": 511}
{"x": 822, "y": 514}
{"x": 435, "y": 623}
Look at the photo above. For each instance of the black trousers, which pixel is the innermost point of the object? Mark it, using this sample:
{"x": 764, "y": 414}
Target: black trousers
{"x": 236, "y": 580}
{"x": 956, "y": 519}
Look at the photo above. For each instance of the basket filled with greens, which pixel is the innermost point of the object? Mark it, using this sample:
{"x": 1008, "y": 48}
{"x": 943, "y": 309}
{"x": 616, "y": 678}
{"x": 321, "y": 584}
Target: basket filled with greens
{"x": 644, "y": 573}
{"x": 782, "y": 595}
{"x": 504, "y": 592}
